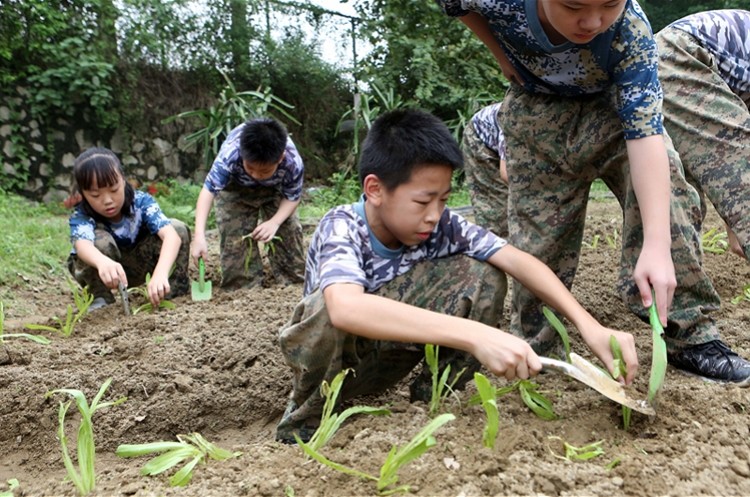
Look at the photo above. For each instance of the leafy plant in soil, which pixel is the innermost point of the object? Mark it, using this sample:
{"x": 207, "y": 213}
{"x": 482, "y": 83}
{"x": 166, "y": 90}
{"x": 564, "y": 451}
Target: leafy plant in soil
{"x": 192, "y": 448}
{"x": 572, "y": 453}
{"x": 530, "y": 395}
{"x": 142, "y": 291}
{"x": 84, "y": 478}
{"x": 715, "y": 241}
{"x": 82, "y": 299}
{"x": 12, "y": 485}
{"x": 658, "y": 352}
{"x": 488, "y": 395}
{"x": 440, "y": 386}
{"x": 744, "y": 296}
{"x": 620, "y": 369}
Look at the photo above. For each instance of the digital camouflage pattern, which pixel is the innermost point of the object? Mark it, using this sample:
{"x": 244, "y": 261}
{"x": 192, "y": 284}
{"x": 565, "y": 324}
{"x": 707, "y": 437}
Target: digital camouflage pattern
{"x": 704, "y": 111}
{"x": 317, "y": 352}
{"x": 556, "y": 147}
{"x": 623, "y": 57}
{"x": 238, "y": 211}
{"x": 137, "y": 261}
{"x": 489, "y": 194}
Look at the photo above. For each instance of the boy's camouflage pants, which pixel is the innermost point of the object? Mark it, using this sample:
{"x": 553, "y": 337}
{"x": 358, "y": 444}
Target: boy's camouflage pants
{"x": 136, "y": 261}
{"x": 710, "y": 127}
{"x": 489, "y": 194}
{"x": 555, "y": 148}
{"x": 316, "y": 351}
{"x": 238, "y": 211}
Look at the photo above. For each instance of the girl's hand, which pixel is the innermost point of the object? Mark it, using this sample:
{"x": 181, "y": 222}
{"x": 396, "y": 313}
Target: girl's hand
{"x": 111, "y": 273}
{"x": 158, "y": 288}
{"x": 265, "y": 231}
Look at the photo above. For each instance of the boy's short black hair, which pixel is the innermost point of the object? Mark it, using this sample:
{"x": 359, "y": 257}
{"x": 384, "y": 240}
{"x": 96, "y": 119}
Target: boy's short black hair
{"x": 262, "y": 140}
{"x": 401, "y": 140}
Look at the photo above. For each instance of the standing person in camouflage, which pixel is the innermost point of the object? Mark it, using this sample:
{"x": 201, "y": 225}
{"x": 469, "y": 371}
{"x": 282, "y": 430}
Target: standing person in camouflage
{"x": 704, "y": 68}
{"x": 483, "y": 145}
{"x": 585, "y": 103}
{"x": 258, "y": 173}
{"x": 120, "y": 234}
{"x": 398, "y": 270}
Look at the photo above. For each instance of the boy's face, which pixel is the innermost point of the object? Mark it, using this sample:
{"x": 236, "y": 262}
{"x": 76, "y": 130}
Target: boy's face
{"x": 260, "y": 171}
{"x": 577, "y": 21}
{"x": 407, "y": 214}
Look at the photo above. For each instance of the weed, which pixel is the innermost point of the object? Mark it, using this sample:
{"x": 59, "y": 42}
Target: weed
{"x": 440, "y": 386}
{"x": 84, "y": 478}
{"x": 488, "y": 394}
{"x": 715, "y": 241}
{"x": 573, "y": 453}
{"x": 743, "y": 296}
{"x": 191, "y": 447}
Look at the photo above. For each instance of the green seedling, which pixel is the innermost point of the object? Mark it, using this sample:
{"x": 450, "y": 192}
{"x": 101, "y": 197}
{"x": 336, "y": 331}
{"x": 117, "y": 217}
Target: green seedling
{"x": 530, "y": 395}
{"x": 658, "y": 352}
{"x": 715, "y": 241}
{"x": 396, "y": 459}
{"x": 192, "y": 448}
{"x": 613, "y": 464}
{"x": 488, "y": 394}
{"x": 440, "y": 386}
{"x": 330, "y": 422}
{"x": 269, "y": 245}
{"x": 613, "y": 239}
{"x": 744, "y": 296}
{"x": 12, "y": 485}
{"x": 534, "y": 400}
{"x": 142, "y": 291}
{"x": 573, "y": 453}
{"x": 594, "y": 242}
{"x": 82, "y": 299}
{"x": 560, "y": 328}
{"x": 84, "y": 478}
{"x": 620, "y": 369}
{"x": 3, "y": 336}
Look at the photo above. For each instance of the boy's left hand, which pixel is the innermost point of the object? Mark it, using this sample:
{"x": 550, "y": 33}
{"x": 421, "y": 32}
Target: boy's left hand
{"x": 598, "y": 342}
{"x": 265, "y": 231}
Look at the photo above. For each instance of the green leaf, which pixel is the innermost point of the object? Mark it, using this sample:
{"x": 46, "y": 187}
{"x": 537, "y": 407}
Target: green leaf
{"x": 488, "y": 394}
{"x": 168, "y": 460}
{"x": 658, "y": 352}
{"x": 560, "y": 328}
{"x": 137, "y": 450}
{"x": 185, "y": 474}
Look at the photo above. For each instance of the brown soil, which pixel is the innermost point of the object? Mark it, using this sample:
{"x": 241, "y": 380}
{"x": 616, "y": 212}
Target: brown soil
{"x": 215, "y": 368}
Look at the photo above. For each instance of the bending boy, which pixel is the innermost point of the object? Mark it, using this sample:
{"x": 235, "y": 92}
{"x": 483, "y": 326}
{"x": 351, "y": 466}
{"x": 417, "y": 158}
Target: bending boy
{"x": 586, "y": 104}
{"x": 257, "y": 173}
{"x": 398, "y": 270}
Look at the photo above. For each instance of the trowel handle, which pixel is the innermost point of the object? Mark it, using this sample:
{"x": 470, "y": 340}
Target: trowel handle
{"x": 201, "y": 272}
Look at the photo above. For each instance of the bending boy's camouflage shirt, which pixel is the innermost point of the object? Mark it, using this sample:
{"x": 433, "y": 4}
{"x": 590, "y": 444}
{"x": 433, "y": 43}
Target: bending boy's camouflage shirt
{"x": 624, "y": 56}
{"x": 228, "y": 167}
{"x": 344, "y": 250}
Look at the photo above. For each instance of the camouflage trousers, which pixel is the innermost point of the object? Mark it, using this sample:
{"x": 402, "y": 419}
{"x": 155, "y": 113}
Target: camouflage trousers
{"x": 489, "y": 194}
{"x": 238, "y": 212}
{"x": 137, "y": 261}
{"x": 710, "y": 127}
{"x": 317, "y": 352}
{"x": 556, "y": 147}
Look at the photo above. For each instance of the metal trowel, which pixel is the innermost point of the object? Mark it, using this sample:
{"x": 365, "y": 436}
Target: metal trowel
{"x": 124, "y": 298}
{"x": 585, "y": 372}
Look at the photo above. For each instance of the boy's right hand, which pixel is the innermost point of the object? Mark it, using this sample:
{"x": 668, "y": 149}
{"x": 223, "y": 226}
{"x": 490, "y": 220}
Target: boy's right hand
{"x": 111, "y": 273}
{"x": 198, "y": 249}
{"x": 508, "y": 356}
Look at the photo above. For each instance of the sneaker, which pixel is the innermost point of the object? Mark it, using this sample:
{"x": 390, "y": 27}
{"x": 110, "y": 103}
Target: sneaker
{"x": 713, "y": 360}
{"x": 98, "y": 303}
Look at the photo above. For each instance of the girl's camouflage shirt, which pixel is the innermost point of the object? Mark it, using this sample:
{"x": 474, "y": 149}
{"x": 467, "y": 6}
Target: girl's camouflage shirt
{"x": 145, "y": 217}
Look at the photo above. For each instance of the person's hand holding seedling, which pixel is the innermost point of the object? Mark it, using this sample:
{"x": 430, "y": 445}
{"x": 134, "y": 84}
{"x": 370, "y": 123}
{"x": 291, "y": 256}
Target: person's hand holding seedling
{"x": 158, "y": 287}
{"x": 265, "y": 231}
{"x": 656, "y": 270}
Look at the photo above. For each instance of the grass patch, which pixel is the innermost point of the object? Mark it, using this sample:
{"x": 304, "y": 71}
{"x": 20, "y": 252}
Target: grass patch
{"x": 35, "y": 243}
